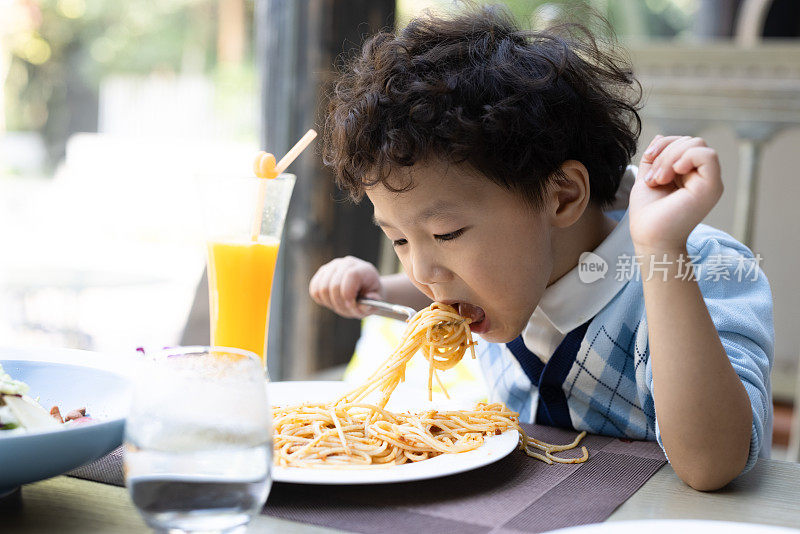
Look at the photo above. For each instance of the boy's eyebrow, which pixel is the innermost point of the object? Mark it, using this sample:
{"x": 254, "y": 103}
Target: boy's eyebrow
{"x": 378, "y": 222}
{"x": 437, "y": 209}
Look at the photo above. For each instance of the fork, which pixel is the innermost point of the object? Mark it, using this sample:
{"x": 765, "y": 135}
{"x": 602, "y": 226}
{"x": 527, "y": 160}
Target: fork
{"x": 387, "y": 309}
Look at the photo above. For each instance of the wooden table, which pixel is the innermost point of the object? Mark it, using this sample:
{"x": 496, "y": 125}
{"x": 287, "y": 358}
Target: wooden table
{"x": 769, "y": 494}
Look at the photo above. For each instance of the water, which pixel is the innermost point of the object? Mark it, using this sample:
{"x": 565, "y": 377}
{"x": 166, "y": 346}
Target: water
{"x": 216, "y": 490}
{"x": 198, "y": 441}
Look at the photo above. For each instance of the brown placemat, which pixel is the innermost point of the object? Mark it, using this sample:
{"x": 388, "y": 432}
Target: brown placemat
{"x": 515, "y": 494}
{"x": 107, "y": 469}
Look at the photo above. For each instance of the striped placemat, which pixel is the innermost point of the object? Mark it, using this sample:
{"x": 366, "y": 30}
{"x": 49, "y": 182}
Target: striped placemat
{"x": 515, "y": 494}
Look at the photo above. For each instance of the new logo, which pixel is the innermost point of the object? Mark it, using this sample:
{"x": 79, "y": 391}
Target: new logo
{"x": 591, "y": 268}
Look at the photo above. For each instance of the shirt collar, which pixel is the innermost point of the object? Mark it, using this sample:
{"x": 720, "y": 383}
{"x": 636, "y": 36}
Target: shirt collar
{"x": 569, "y": 302}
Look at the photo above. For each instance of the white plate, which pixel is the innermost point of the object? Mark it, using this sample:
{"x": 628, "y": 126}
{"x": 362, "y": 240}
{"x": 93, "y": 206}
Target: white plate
{"x": 69, "y": 379}
{"x": 671, "y": 526}
{"x": 288, "y": 393}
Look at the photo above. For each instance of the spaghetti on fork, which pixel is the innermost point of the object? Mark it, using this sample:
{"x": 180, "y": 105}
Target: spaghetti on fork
{"x": 350, "y": 432}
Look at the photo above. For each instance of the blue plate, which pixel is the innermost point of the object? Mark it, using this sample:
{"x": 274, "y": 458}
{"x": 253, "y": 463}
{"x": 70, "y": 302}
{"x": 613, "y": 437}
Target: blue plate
{"x": 35, "y": 456}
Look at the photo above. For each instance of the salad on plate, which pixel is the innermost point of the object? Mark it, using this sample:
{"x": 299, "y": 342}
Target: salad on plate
{"x": 21, "y": 413}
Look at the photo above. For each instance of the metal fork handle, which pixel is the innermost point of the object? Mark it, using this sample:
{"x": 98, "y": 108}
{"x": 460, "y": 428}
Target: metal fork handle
{"x": 387, "y": 309}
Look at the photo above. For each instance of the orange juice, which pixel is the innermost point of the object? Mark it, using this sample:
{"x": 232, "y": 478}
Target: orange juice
{"x": 239, "y": 284}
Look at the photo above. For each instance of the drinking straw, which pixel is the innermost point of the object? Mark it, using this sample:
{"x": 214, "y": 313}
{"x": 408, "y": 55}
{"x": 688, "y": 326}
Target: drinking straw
{"x": 285, "y": 161}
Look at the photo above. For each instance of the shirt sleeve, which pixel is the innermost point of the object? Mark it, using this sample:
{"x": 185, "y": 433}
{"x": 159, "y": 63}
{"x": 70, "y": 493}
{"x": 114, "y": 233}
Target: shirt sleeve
{"x": 738, "y": 297}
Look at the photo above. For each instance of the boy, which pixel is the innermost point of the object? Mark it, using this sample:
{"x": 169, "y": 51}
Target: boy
{"x": 489, "y": 155}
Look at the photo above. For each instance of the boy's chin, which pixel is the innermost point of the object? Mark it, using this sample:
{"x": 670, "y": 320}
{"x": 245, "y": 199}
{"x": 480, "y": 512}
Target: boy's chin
{"x": 494, "y": 333}
{"x": 493, "y": 336}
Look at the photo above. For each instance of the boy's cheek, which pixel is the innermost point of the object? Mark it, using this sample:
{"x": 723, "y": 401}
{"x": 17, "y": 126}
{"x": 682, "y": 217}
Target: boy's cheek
{"x": 422, "y": 287}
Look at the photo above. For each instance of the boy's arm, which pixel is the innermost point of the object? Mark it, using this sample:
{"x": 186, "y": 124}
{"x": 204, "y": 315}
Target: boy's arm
{"x": 339, "y": 282}
{"x": 704, "y": 413}
{"x": 398, "y": 289}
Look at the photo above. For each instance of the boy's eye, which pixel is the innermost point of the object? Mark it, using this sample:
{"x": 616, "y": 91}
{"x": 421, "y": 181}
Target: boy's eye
{"x": 450, "y": 236}
{"x": 399, "y": 242}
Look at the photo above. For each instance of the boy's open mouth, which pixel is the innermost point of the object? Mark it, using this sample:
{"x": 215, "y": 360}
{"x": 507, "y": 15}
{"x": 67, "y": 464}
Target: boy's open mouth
{"x": 475, "y": 314}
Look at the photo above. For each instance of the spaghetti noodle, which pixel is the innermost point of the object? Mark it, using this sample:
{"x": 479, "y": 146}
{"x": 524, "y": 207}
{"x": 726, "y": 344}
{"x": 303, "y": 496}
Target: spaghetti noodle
{"x": 350, "y": 432}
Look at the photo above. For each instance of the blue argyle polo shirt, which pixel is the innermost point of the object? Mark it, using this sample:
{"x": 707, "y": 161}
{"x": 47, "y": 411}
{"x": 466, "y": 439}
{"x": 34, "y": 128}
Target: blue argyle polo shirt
{"x": 583, "y": 360}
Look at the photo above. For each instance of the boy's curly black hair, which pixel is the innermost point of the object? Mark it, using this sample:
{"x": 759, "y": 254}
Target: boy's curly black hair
{"x": 476, "y": 88}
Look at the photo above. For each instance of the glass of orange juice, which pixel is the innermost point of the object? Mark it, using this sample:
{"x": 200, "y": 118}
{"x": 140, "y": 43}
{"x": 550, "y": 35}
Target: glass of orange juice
{"x": 240, "y": 268}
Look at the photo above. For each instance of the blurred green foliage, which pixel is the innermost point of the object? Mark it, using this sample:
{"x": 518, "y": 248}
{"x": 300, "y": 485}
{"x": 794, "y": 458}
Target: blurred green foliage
{"x": 58, "y": 51}
{"x": 628, "y": 18}
{"x": 61, "y": 50}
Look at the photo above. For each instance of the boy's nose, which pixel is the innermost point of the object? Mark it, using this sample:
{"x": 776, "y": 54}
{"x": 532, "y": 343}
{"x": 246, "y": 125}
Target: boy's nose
{"x": 427, "y": 270}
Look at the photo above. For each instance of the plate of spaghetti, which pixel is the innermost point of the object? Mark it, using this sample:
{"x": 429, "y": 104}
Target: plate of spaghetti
{"x": 370, "y": 461}
{"x": 331, "y": 433}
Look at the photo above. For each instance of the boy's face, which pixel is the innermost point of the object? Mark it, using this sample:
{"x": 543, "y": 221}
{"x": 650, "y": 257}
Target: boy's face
{"x": 468, "y": 242}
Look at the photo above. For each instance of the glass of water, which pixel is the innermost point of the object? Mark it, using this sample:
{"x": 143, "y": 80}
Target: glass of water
{"x": 198, "y": 440}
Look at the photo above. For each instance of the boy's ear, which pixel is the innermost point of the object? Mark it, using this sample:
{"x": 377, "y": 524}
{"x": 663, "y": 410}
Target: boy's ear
{"x": 569, "y": 194}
